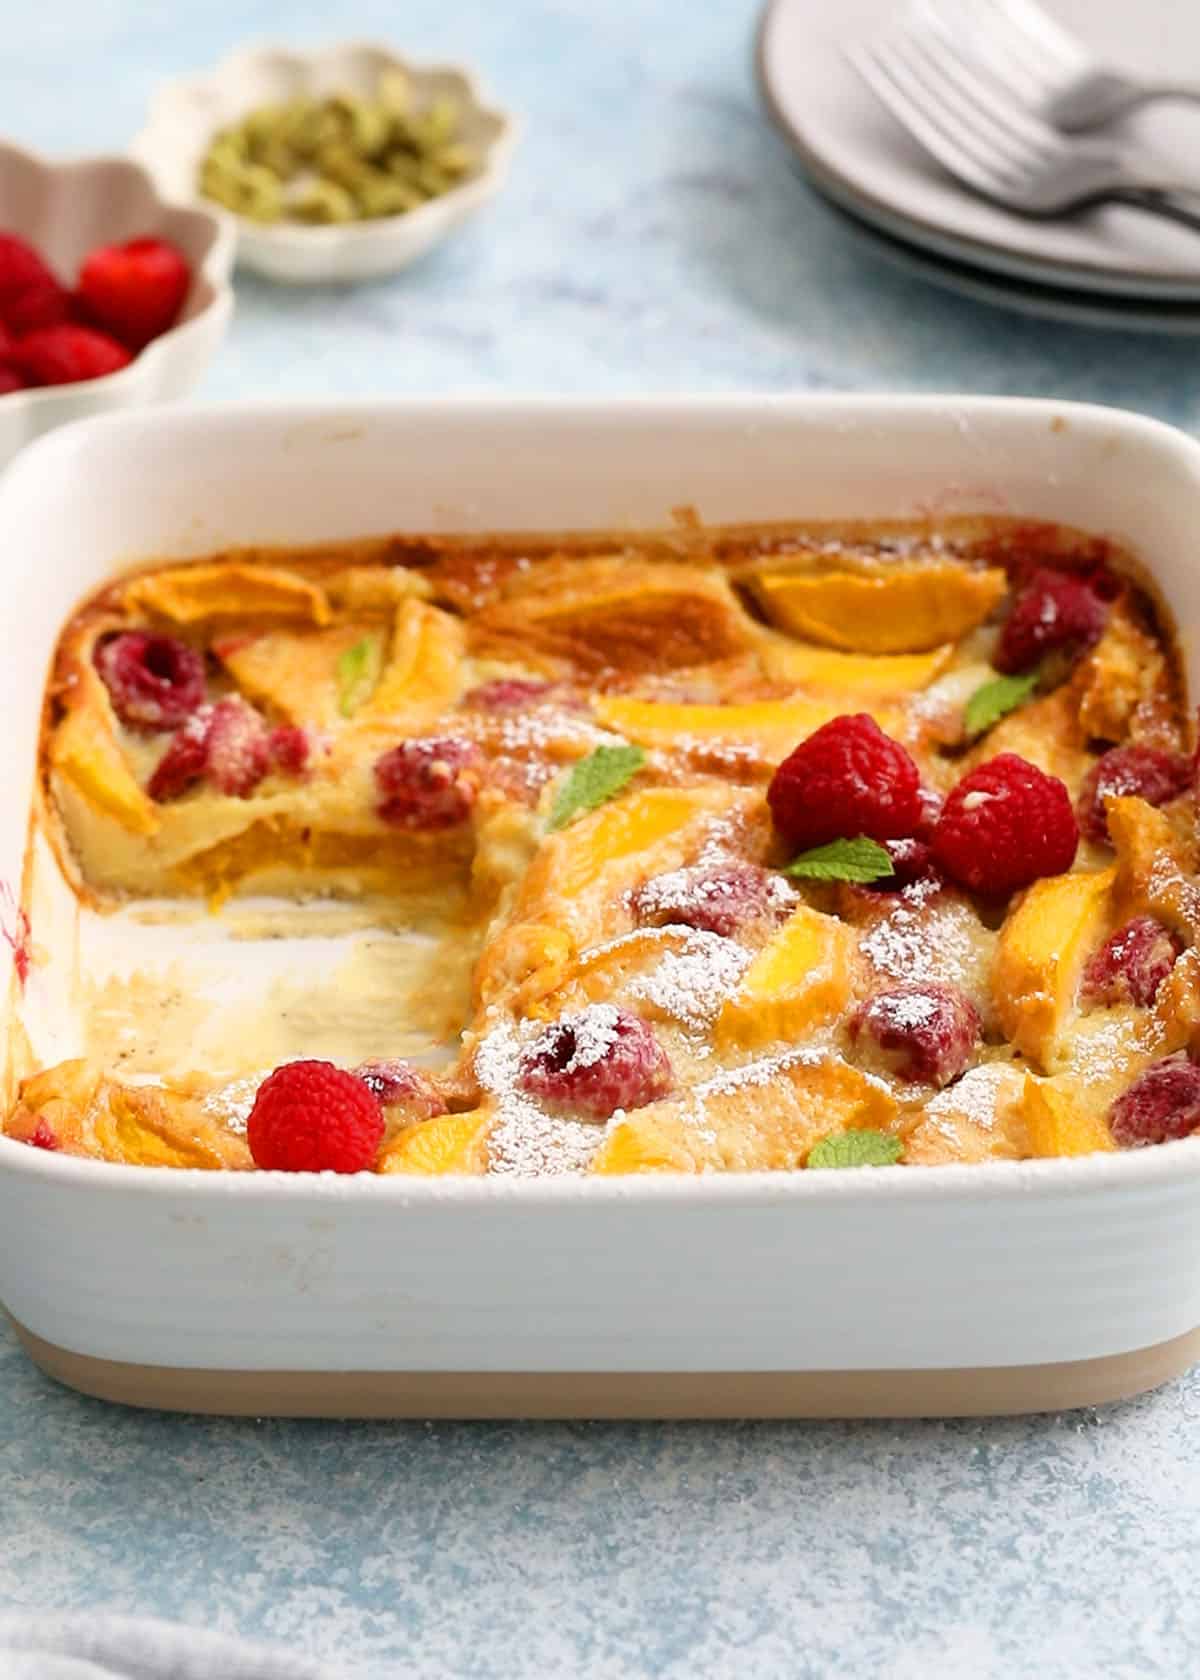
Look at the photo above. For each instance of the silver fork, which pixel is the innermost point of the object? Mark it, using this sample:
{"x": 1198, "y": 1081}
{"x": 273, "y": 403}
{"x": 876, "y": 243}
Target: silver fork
{"x": 974, "y": 129}
{"x": 1025, "y": 48}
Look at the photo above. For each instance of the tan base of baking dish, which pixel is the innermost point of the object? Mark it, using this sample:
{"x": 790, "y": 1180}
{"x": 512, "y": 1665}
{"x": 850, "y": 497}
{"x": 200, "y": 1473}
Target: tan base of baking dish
{"x": 982, "y": 1392}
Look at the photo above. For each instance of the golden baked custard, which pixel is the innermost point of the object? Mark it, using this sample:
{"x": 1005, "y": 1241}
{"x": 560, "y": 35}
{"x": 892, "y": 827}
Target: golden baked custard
{"x": 724, "y": 850}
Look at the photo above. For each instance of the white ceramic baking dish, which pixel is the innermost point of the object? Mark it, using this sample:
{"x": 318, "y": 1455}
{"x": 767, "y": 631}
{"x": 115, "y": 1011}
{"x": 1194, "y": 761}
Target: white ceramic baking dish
{"x": 954, "y": 1289}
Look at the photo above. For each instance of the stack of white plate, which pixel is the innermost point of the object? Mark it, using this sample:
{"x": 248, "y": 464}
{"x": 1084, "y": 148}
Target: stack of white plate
{"x": 1111, "y": 265}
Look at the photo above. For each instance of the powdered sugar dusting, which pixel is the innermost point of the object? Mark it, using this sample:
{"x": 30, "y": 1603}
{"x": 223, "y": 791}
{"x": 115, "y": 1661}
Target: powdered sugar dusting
{"x": 916, "y": 941}
{"x": 910, "y": 1011}
{"x": 976, "y": 1097}
{"x": 691, "y": 984}
{"x": 231, "y": 1104}
{"x": 595, "y": 1033}
{"x": 526, "y": 1141}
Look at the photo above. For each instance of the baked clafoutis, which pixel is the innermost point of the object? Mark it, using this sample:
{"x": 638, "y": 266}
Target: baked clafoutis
{"x": 736, "y": 849}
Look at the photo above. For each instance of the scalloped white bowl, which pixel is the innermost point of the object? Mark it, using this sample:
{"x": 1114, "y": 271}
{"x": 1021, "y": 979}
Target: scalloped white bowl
{"x": 66, "y": 209}
{"x": 186, "y": 112}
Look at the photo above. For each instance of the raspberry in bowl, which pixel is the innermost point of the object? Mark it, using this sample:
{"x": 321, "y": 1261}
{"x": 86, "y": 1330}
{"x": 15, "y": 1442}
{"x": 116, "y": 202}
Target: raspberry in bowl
{"x": 124, "y": 331}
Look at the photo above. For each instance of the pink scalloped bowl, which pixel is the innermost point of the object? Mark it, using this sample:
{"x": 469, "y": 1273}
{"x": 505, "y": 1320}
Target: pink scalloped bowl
{"x": 66, "y": 209}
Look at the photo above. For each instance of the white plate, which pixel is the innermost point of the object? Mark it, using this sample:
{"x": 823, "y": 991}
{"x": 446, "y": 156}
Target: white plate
{"x": 483, "y": 1296}
{"x": 1026, "y": 297}
{"x": 859, "y": 156}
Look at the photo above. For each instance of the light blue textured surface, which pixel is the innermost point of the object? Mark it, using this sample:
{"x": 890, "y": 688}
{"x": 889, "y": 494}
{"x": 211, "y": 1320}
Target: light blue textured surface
{"x": 653, "y": 237}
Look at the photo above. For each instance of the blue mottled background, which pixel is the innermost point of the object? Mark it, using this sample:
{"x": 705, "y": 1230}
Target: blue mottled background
{"x": 655, "y": 237}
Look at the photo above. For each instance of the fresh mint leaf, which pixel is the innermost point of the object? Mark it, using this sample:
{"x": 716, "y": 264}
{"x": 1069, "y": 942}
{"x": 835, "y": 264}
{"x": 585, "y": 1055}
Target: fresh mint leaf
{"x": 358, "y": 669}
{"x": 996, "y": 699}
{"x": 593, "y": 780}
{"x": 843, "y": 860}
{"x": 856, "y": 1149}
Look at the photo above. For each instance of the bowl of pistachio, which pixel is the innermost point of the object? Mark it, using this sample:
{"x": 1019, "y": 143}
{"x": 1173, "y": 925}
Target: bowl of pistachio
{"x": 341, "y": 163}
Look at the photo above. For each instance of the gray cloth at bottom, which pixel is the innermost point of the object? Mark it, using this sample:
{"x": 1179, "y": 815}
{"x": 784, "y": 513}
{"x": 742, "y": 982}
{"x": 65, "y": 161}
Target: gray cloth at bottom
{"x": 83, "y": 1646}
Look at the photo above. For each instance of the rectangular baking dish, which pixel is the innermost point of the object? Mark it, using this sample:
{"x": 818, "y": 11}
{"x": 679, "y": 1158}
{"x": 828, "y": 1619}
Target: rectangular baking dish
{"x": 1003, "y": 1287}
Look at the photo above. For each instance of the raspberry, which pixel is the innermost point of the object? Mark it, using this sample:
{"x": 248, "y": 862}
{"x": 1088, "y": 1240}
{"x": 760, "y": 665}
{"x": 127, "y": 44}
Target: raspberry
{"x": 1148, "y": 772}
{"x": 912, "y": 865}
{"x": 10, "y": 380}
{"x": 314, "y": 1117}
{"x": 43, "y": 303}
{"x": 1054, "y": 610}
{"x": 931, "y": 810}
{"x": 30, "y": 294}
{"x": 1163, "y": 1103}
{"x": 289, "y": 748}
{"x": 185, "y": 760}
{"x": 1131, "y": 965}
{"x": 19, "y": 264}
{"x": 847, "y": 779}
{"x": 1003, "y": 826}
{"x": 922, "y": 1032}
{"x": 154, "y": 682}
{"x": 595, "y": 1062}
{"x": 66, "y": 354}
{"x": 505, "y": 694}
{"x": 393, "y": 1083}
{"x": 135, "y": 290}
{"x": 428, "y": 784}
{"x": 238, "y": 753}
{"x": 42, "y": 1136}
{"x": 717, "y": 898}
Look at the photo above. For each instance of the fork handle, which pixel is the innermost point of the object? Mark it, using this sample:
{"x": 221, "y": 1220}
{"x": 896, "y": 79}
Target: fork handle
{"x": 1177, "y": 204}
{"x": 1098, "y": 98}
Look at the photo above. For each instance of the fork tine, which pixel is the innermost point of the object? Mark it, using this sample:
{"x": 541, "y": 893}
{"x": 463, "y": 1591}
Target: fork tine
{"x": 1024, "y": 20}
{"x": 925, "y": 126}
{"x": 1027, "y": 132}
{"x": 984, "y": 28}
{"x": 956, "y": 110}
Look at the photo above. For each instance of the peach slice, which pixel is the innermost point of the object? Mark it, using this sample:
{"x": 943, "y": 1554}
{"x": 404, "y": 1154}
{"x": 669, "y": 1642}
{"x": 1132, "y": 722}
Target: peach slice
{"x": 572, "y": 892}
{"x": 297, "y": 671}
{"x": 977, "y": 1119}
{"x": 449, "y": 1143}
{"x": 85, "y": 751}
{"x": 611, "y": 612}
{"x": 1124, "y": 675}
{"x": 293, "y": 671}
{"x": 227, "y": 589}
{"x": 762, "y": 1118}
{"x": 1058, "y": 1123}
{"x": 768, "y": 729}
{"x": 1043, "y": 946}
{"x": 799, "y": 980}
{"x": 1155, "y": 865}
{"x": 87, "y": 1114}
{"x": 524, "y": 964}
{"x": 895, "y": 609}
{"x": 854, "y": 676}
{"x": 581, "y": 872}
{"x": 598, "y": 973}
{"x": 158, "y": 1129}
{"x": 423, "y": 670}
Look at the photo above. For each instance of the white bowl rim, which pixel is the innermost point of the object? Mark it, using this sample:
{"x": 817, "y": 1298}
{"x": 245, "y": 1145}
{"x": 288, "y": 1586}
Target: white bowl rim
{"x": 467, "y": 196}
{"x": 1118, "y": 1172}
{"x": 214, "y": 266}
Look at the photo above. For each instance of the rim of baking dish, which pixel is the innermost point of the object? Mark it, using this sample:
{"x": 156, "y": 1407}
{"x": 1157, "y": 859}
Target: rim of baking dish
{"x": 1152, "y": 1168}
{"x": 196, "y": 87}
{"x": 1147, "y": 1169}
{"x": 213, "y": 267}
